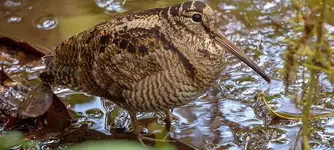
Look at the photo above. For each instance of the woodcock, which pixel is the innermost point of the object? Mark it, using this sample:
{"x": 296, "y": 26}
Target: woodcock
{"x": 151, "y": 60}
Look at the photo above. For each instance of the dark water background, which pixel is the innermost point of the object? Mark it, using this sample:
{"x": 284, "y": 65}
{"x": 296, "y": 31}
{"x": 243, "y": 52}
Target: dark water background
{"x": 224, "y": 117}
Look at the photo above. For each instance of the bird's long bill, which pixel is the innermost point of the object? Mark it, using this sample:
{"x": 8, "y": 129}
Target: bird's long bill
{"x": 224, "y": 42}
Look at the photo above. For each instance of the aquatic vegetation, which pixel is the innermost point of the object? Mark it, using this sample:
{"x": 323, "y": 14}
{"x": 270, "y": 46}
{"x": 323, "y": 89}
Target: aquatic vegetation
{"x": 309, "y": 51}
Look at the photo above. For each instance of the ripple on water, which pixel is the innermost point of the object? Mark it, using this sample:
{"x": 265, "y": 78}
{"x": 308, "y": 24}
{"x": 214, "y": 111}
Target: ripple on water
{"x": 239, "y": 113}
{"x": 46, "y": 22}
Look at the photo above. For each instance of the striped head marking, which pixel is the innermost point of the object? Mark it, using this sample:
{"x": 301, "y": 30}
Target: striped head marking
{"x": 197, "y": 17}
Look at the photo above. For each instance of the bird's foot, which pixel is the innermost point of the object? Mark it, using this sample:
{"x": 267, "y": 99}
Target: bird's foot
{"x": 140, "y": 139}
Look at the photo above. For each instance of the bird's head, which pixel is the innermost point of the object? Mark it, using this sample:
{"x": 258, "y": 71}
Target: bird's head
{"x": 192, "y": 28}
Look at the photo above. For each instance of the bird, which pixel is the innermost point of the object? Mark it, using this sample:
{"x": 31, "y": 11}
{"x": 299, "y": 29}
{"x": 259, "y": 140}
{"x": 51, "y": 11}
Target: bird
{"x": 146, "y": 61}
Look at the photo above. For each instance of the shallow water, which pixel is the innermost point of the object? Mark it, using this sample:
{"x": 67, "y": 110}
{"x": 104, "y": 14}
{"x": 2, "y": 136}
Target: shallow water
{"x": 225, "y": 116}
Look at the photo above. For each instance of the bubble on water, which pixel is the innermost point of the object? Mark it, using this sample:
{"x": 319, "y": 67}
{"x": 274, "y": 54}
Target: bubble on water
{"x": 14, "y": 19}
{"x": 110, "y": 5}
{"x": 46, "y": 22}
{"x": 11, "y": 3}
{"x": 228, "y": 7}
{"x": 94, "y": 113}
{"x": 212, "y": 146}
{"x": 30, "y": 7}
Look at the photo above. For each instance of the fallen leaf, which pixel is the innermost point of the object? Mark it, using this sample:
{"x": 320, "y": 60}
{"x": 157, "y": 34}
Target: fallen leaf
{"x": 36, "y": 102}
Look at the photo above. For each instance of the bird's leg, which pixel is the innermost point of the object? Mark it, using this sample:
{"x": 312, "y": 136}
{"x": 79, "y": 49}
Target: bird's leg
{"x": 140, "y": 136}
{"x": 168, "y": 121}
{"x": 135, "y": 126}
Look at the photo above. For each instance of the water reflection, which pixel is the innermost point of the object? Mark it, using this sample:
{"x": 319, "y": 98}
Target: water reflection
{"x": 239, "y": 113}
{"x": 47, "y": 22}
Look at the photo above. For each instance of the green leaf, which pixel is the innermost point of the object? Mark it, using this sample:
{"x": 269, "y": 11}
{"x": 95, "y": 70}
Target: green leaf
{"x": 11, "y": 139}
{"x": 109, "y": 145}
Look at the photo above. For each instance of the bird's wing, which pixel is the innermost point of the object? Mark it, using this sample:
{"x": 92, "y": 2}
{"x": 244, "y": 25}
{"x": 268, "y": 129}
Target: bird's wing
{"x": 129, "y": 56}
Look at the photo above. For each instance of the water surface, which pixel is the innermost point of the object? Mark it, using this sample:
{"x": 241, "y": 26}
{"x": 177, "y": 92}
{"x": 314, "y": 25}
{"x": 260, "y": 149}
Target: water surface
{"x": 230, "y": 114}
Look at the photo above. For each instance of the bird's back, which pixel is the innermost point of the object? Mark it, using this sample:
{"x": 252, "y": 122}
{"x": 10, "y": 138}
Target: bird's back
{"x": 129, "y": 42}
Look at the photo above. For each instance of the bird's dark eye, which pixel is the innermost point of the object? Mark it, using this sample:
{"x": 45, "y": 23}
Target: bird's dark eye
{"x": 197, "y": 18}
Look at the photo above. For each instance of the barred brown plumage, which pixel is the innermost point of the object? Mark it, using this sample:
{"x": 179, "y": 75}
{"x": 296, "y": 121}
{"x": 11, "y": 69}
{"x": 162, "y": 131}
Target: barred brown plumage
{"x": 151, "y": 60}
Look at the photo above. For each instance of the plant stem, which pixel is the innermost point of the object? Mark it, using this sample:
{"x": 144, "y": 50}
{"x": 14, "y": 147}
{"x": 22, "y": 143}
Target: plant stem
{"x": 306, "y": 111}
